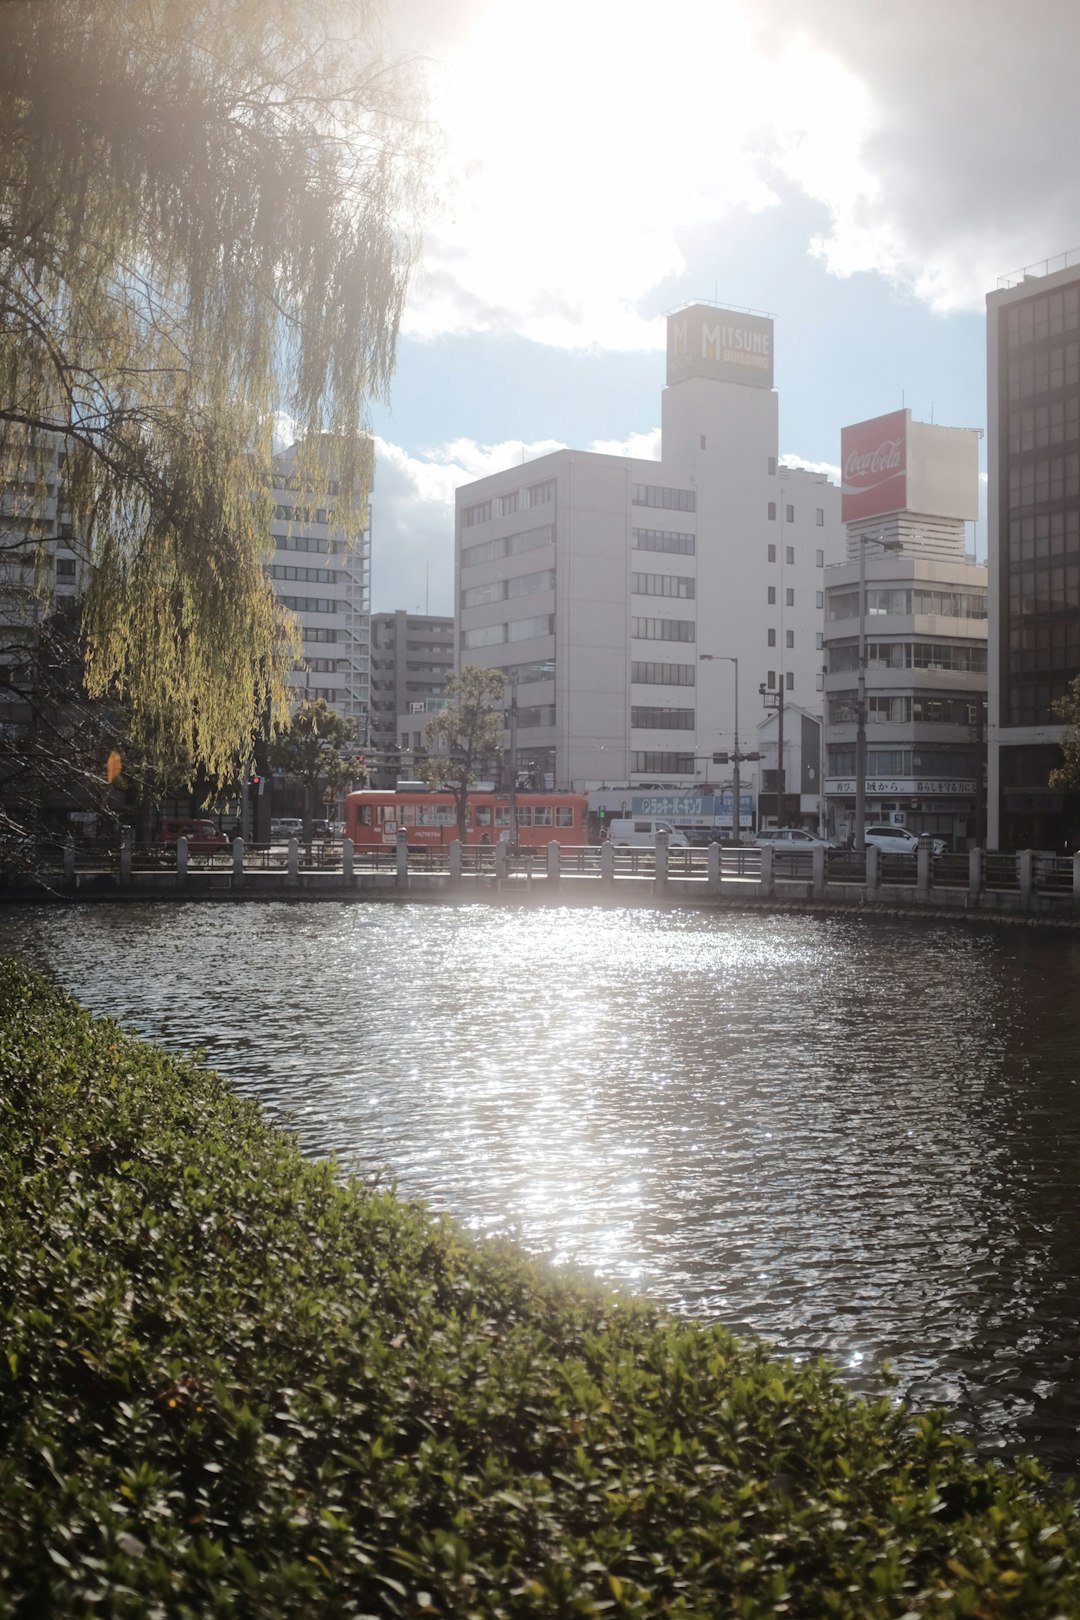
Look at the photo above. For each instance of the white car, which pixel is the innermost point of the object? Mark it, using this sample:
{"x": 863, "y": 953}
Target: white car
{"x": 899, "y": 840}
{"x": 790, "y": 838}
{"x": 287, "y": 827}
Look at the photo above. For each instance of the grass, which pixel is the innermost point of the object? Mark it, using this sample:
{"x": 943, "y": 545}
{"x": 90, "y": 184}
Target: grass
{"x": 232, "y": 1385}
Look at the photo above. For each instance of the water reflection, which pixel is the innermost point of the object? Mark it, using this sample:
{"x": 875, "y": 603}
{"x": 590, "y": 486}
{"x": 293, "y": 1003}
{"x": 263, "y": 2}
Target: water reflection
{"x": 853, "y": 1138}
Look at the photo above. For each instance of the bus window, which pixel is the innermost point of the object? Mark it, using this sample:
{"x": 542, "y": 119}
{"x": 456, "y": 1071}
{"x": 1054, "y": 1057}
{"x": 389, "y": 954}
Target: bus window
{"x": 564, "y": 815}
{"x": 483, "y": 815}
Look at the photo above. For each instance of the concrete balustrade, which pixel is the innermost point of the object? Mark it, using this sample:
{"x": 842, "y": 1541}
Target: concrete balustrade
{"x": 872, "y": 883}
{"x": 976, "y": 875}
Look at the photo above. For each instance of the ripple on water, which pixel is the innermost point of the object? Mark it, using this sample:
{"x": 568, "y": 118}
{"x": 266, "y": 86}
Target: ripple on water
{"x": 852, "y": 1138}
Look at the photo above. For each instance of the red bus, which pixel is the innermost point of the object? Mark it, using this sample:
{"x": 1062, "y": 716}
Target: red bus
{"x": 373, "y": 816}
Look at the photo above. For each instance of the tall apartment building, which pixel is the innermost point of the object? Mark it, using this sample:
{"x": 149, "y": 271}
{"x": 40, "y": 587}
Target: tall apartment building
{"x": 910, "y": 489}
{"x": 1033, "y": 533}
{"x": 411, "y": 656}
{"x": 329, "y": 590}
{"x": 599, "y": 583}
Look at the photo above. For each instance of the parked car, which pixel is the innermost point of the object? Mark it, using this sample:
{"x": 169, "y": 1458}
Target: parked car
{"x": 790, "y": 838}
{"x": 287, "y": 827}
{"x": 899, "y": 840}
{"x": 203, "y": 837}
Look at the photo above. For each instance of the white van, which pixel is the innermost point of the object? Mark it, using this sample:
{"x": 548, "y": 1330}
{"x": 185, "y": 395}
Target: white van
{"x": 639, "y": 832}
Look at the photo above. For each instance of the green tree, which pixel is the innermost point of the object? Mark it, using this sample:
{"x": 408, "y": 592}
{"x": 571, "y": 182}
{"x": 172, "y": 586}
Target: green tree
{"x": 1067, "y": 708}
{"x": 317, "y": 750}
{"x": 466, "y": 735}
{"x": 206, "y": 214}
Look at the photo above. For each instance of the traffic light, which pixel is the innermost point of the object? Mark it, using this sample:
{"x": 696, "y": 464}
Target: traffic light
{"x": 257, "y": 782}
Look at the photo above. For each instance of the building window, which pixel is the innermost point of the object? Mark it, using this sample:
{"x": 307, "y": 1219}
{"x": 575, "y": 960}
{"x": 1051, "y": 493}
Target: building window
{"x": 819, "y": 641}
{"x": 819, "y": 559}
{"x": 663, "y": 585}
{"x": 772, "y": 595}
{"x": 789, "y": 638}
{"x": 789, "y": 553}
{"x": 471, "y": 515}
{"x": 772, "y": 466}
{"x": 663, "y": 629}
{"x": 789, "y": 681}
{"x": 772, "y": 553}
{"x": 770, "y": 680}
{"x": 789, "y": 514}
{"x": 662, "y": 719}
{"x": 646, "y": 673}
{"x": 772, "y": 511}
{"x": 488, "y": 635}
{"x": 655, "y": 763}
{"x": 772, "y": 638}
{"x": 538, "y": 494}
{"x": 508, "y": 504}
{"x": 672, "y": 500}
{"x": 701, "y": 441}
{"x": 65, "y": 568}
{"x": 671, "y": 540}
{"x": 819, "y": 517}
{"x": 789, "y": 596}
{"x": 819, "y": 599}
{"x": 820, "y": 682}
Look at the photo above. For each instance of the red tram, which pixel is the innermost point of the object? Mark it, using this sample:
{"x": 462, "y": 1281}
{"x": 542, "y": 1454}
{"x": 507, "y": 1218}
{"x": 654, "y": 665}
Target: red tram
{"x": 373, "y": 817}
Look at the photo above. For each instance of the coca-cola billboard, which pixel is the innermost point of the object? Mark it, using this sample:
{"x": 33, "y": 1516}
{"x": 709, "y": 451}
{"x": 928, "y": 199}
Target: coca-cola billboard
{"x": 874, "y": 465}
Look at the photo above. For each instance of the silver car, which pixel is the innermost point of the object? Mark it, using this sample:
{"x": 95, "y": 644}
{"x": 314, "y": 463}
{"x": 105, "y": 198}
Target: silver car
{"x": 790, "y": 838}
{"x": 899, "y": 840}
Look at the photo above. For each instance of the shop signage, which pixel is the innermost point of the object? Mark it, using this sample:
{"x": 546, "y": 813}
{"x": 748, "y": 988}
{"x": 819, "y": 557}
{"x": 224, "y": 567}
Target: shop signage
{"x": 904, "y": 785}
{"x": 873, "y": 461}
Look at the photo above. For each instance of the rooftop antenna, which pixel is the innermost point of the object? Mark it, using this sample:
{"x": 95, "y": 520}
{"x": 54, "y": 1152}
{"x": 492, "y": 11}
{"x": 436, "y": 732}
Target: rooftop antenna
{"x": 427, "y": 588}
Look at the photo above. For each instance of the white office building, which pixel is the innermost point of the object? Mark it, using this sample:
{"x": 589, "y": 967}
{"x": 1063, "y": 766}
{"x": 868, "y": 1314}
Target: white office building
{"x": 627, "y": 599}
{"x": 328, "y": 587}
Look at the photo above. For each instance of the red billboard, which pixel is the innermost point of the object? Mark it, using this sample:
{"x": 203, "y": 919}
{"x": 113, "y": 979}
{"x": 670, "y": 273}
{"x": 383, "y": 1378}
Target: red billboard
{"x": 873, "y": 459}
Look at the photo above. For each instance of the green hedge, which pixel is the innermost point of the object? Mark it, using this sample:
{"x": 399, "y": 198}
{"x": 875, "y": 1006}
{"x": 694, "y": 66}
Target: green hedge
{"x": 231, "y": 1385}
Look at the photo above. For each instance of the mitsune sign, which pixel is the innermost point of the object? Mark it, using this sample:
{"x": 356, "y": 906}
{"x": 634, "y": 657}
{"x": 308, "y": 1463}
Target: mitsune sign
{"x": 874, "y": 463}
{"x": 720, "y": 343}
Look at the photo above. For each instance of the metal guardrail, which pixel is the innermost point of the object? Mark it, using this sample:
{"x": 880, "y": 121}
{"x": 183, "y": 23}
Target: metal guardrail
{"x": 1029, "y": 881}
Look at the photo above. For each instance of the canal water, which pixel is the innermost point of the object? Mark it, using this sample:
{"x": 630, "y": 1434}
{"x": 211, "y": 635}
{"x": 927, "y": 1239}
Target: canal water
{"x": 855, "y": 1137}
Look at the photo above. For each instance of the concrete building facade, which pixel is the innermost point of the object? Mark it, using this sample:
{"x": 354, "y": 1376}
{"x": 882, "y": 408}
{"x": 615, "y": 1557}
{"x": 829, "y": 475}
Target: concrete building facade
{"x": 917, "y": 599}
{"x": 411, "y": 656}
{"x": 600, "y": 583}
{"x": 1033, "y": 542}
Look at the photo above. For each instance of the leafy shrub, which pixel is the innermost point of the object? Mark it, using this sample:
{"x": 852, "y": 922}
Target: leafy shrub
{"x": 231, "y": 1385}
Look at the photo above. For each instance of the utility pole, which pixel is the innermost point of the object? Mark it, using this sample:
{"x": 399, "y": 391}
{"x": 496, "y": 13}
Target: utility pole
{"x": 775, "y": 700}
{"x": 737, "y": 757}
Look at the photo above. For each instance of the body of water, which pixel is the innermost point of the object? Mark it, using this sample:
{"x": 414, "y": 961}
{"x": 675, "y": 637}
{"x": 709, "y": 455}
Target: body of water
{"x": 849, "y": 1136}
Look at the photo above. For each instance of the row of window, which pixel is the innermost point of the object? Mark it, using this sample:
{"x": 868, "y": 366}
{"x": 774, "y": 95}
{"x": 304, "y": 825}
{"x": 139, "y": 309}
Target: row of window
{"x": 789, "y": 556}
{"x": 789, "y": 517}
{"x": 313, "y": 604}
{"x": 938, "y": 763}
{"x": 502, "y": 590}
{"x": 532, "y": 495}
{"x": 297, "y": 484}
{"x": 903, "y": 709}
{"x": 681, "y": 585}
{"x": 510, "y": 545}
{"x": 1040, "y": 426}
{"x": 302, "y": 514}
{"x": 1051, "y": 478}
{"x": 493, "y": 635}
{"x": 663, "y": 629}
{"x": 654, "y": 762}
{"x": 534, "y": 714}
{"x": 967, "y": 657}
{"x": 1045, "y": 372}
{"x": 671, "y": 500}
{"x": 307, "y": 542}
{"x": 650, "y": 674}
{"x": 313, "y": 576}
{"x": 647, "y": 719}
{"x": 669, "y": 540}
{"x": 323, "y": 666}
{"x": 904, "y": 601}
{"x": 789, "y": 596}
{"x": 789, "y": 681}
{"x": 310, "y": 634}
{"x": 542, "y": 669}
{"x": 789, "y": 638}
{"x": 1044, "y": 590}
{"x": 1046, "y": 534}
{"x": 1046, "y": 316}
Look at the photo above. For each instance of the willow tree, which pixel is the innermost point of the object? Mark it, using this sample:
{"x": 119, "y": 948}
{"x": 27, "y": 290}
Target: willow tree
{"x": 207, "y": 221}
{"x": 1067, "y": 709}
{"x": 466, "y": 735}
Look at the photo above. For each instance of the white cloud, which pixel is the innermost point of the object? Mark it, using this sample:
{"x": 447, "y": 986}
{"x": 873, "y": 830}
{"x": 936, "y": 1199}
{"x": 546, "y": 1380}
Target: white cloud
{"x": 586, "y": 143}
{"x": 830, "y": 469}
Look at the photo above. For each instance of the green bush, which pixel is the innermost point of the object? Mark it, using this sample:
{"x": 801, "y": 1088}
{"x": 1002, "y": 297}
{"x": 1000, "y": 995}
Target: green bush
{"x": 231, "y": 1385}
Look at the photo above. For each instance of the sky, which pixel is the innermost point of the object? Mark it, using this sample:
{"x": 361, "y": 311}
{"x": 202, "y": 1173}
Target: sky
{"x": 863, "y": 172}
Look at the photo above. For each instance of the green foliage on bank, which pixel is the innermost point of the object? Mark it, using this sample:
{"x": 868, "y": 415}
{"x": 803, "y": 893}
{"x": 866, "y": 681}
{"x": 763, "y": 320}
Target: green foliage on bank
{"x": 232, "y": 1386}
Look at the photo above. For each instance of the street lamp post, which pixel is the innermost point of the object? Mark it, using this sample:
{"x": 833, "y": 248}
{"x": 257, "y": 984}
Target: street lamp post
{"x": 737, "y": 757}
{"x": 859, "y": 838}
